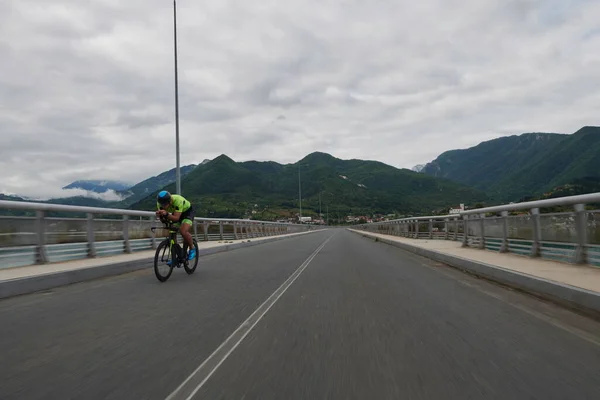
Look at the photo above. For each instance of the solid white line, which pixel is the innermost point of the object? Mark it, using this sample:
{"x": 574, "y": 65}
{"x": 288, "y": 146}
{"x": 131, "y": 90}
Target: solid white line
{"x": 206, "y": 369}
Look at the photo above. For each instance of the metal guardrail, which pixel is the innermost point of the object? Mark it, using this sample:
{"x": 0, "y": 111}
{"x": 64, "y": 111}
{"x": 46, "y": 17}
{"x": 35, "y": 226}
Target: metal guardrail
{"x": 42, "y": 238}
{"x": 562, "y": 236}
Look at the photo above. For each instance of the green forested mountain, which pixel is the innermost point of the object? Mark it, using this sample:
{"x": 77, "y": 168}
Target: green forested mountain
{"x": 510, "y": 168}
{"x": 224, "y": 187}
{"x": 575, "y": 157}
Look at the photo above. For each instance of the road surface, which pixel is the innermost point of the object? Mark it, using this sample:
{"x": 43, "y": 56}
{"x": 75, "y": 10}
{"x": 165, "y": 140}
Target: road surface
{"x": 329, "y": 315}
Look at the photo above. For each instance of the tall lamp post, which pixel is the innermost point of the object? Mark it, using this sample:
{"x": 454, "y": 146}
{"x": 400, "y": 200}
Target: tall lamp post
{"x": 300, "y": 189}
{"x": 178, "y": 173}
{"x": 299, "y": 194}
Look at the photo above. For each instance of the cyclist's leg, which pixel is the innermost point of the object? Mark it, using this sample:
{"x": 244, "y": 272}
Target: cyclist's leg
{"x": 186, "y": 225}
{"x": 185, "y": 232}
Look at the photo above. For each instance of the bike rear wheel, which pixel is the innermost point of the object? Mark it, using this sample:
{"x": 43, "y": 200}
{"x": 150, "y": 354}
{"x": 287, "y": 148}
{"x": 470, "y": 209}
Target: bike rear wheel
{"x": 160, "y": 261}
{"x": 190, "y": 265}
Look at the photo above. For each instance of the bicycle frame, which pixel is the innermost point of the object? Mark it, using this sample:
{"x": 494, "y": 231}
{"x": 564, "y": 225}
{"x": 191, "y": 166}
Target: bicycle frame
{"x": 172, "y": 238}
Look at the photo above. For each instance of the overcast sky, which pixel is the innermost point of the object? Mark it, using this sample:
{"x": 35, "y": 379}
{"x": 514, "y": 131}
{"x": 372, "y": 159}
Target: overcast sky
{"x": 87, "y": 87}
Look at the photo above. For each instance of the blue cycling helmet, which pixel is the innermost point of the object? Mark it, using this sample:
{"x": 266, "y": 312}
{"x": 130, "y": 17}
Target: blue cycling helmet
{"x": 164, "y": 198}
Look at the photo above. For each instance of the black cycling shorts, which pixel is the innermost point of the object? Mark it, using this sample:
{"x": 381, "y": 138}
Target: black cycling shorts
{"x": 189, "y": 214}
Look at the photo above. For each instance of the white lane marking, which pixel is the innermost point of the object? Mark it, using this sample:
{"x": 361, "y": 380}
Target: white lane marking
{"x": 198, "y": 378}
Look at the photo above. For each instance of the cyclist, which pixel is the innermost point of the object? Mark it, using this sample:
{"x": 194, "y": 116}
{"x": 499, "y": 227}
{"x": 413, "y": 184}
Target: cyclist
{"x": 182, "y": 212}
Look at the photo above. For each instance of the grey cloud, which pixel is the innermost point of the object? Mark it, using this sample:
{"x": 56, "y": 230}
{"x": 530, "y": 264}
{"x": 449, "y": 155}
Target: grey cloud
{"x": 91, "y": 84}
{"x": 127, "y": 119}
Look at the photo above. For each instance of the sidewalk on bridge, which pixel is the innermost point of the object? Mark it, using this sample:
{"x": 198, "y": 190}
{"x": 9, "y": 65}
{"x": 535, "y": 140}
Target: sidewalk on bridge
{"x": 554, "y": 279}
{"x": 26, "y": 279}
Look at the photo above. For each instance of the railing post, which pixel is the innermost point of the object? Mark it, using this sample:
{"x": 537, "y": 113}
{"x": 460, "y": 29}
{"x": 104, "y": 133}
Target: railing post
{"x": 482, "y": 227}
{"x": 456, "y": 228}
{"x": 235, "y": 231}
{"x": 446, "y": 229}
{"x": 504, "y": 246}
{"x": 581, "y": 228}
{"x": 465, "y": 242}
{"x": 90, "y": 235}
{"x": 221, "y": 229}
{"x": 536, "y": 248}
{"x": 195, "y": 225}
{"x": 153, "y": 240}
{"x": 416, "y": 229}
{"x": 127, "y": 247}
{"x": 41, "y": 256}
{"x": 206, "y": 225}
{"x": 430, "y": 228}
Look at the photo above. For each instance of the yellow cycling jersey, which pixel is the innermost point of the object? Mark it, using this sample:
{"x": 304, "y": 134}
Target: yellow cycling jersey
{"x": 178, "y": 204}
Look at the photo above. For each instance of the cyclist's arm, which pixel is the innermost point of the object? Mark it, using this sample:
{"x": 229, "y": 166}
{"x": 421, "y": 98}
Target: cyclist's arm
{"x": 178, "y": 205}
{"x": 172, "y": 216}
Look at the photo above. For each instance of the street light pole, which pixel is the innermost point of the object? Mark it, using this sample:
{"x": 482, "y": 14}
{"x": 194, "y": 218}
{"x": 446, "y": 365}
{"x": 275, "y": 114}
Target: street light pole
{"x": 178, "y": 173}
{"x": 320, "y": 212}
{"x": 299, "y": 194}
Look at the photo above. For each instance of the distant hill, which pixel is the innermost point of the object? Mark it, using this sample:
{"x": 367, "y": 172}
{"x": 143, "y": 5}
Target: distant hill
{"x": 225, "y": 188}
{"x": 132, "y": 194}
{"x": 98, "y": 186}
{"x": 10, "y": 198}
{"x": 152, "y": 184}
{"x": 530, "y": 164}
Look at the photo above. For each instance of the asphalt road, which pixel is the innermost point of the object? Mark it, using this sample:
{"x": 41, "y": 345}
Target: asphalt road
{"x": 350, "y": 319}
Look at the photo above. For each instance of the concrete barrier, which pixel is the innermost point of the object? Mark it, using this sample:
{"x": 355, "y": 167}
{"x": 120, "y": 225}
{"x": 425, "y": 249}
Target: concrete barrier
{"x": 36, "y": 283}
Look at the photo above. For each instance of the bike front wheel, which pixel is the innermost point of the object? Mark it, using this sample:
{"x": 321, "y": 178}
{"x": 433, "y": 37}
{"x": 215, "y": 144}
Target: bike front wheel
{"x": 162, "y": 269}
{"x": 190, "y": 265}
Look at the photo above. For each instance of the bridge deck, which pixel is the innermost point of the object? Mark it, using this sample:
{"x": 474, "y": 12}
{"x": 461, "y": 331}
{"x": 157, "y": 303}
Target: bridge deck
{"x": 353, "y": 320}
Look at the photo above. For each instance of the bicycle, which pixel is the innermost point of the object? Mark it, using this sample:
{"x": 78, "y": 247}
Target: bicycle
{"x": 178, "y": 259}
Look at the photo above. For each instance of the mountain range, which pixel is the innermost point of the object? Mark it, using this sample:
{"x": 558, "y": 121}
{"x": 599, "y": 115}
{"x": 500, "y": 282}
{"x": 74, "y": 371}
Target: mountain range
{"x": 511, "y": 168}
{"x": 98, "y": 186}
{"x": 522, "y": 166}
{"x": 270, "y": 190}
